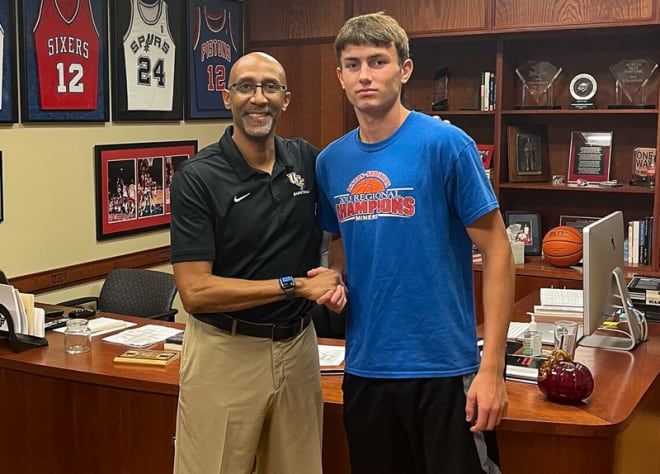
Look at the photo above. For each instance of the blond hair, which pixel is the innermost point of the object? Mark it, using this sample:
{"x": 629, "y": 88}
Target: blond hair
{"x": 377, "y": 29}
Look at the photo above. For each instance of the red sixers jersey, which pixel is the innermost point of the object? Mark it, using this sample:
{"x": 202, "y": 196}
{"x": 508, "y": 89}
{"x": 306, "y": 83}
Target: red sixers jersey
{"x": 66, "y": 43}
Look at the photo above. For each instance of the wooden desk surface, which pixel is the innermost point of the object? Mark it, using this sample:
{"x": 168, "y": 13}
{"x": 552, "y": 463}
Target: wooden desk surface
{"x": 98, "y": 368}
{"x": 621, "y": 380}
{"x": 142, "y": 401}
{"x": 95, "y": 366}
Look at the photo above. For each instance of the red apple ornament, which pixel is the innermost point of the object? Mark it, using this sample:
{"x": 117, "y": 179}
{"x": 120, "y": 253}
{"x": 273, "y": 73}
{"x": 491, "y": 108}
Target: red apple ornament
{"x": 564, "y": 381}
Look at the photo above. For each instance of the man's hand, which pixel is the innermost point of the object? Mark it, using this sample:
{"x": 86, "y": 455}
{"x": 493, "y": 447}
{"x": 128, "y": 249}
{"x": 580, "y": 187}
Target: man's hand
{"x": 488, "y": 393}
{"x": 334, "y": 299}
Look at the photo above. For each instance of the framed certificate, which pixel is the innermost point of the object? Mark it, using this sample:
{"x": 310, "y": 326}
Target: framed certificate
{"x": 215, "y": 42}
{"x": 64, "y": 73}
{"x": 590, "y": 157}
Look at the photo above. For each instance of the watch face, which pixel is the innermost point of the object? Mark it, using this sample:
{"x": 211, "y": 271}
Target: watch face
{"x": 583, "y": 87}
{"x": 287, "y": 282}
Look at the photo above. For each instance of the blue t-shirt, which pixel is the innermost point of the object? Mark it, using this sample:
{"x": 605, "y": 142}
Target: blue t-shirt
{"x": 401, "y": 207}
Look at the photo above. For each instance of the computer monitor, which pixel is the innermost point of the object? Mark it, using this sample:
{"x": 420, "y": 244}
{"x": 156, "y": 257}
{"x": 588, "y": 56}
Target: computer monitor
{"x": 604, "y": 288}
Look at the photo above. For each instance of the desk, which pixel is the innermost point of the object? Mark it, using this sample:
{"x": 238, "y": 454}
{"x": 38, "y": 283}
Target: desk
{"x": 99, "y": 417}
{"x": 82, "y": 414}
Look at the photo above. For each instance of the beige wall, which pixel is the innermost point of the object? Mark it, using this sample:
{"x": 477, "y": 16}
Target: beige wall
{"x": 48, "y": 182}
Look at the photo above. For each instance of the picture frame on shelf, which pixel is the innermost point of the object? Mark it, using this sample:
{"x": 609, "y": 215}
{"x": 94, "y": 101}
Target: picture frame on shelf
{"x": 590, "y": 157}
{"x": 8, "y": 85}
{"x": 132, "y": 183}
{"x": 577, "y": 222}
{"x": 528, "y": 153}
{"x": 214, "y": 42}
{"x": 64, "y": 80}
{"x": 486, "y": 154}
{"x": 148, "y": 75}
{"x": 529, "y": 231}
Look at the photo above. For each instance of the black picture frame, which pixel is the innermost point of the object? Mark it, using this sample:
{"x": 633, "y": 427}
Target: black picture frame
{"x": 577, "y": 222}
{"x": 71, "y": 88}
{"x": 8, "y": 91}
{"x": 218, "y": 24}
{"x": 2, "y": 196}
{"x": 152, "y": 85}
{"x": 131, "y": 176}
{"x": 533, "y": 237}
{"x": 528, "y": 153}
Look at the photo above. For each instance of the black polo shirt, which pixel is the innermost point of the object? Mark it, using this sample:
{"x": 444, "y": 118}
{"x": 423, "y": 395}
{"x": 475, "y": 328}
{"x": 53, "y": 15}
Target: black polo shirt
{"x": 250, "y": 224}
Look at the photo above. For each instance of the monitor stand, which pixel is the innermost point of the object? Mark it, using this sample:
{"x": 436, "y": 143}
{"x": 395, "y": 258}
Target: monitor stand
{"x": 626, "y": 340}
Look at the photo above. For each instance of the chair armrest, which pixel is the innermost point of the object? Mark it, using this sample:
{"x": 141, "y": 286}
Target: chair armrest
{"x": 169, "y": 316}
{"x": 79, "y": 301}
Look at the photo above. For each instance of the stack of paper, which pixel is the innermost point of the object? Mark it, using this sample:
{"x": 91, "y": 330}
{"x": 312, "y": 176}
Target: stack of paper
{"x": 26, "y": 318}
{"x": 331, "y": 359}
{"x": 560, "y": 303}
{"x": 143, "y": 336}
{"x": 103, "y": 325}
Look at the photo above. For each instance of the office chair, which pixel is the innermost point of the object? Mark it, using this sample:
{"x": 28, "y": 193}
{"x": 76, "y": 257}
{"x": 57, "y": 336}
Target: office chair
{"x": 135, "y": 292}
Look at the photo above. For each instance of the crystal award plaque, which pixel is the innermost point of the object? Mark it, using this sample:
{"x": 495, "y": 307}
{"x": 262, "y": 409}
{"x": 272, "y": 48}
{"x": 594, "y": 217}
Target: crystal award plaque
{"x": 537, "y": 78}
{"x": 632, "y": 78}
{"x": 440, "y": 81}
{"x": 583, "y": 89}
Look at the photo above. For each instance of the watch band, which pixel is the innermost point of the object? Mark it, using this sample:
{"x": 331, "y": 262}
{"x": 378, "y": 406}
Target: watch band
{"x": 288, "y": 285}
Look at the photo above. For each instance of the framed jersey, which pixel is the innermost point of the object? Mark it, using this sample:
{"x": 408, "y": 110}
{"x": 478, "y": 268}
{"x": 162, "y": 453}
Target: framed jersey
{"x": 63, "y": 53}
{"x": 133, "y": 185}
{"x": 8, "y": 94}
{"x": 148, "y": 59}
{"x": 214, "y": 43}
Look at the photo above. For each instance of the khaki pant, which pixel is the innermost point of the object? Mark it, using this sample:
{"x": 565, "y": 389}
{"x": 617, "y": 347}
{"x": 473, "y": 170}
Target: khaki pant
{"x": 248, "y": 404}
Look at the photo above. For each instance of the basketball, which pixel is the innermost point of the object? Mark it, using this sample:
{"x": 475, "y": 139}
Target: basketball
{"x": 562, "y": 246}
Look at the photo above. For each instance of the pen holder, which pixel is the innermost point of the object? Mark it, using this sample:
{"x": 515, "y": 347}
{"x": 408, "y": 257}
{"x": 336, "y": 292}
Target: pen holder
{"x": 518, "y": 251}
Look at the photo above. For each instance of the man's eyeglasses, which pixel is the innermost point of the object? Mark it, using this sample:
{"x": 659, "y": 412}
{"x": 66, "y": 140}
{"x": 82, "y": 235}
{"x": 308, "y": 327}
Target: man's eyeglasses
{"x": 250, "y": 88}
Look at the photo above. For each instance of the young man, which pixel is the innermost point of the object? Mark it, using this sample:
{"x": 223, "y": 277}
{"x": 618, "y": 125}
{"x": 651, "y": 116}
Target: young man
{"x": 243, "y": 239}
{"x": 406, "y": 195}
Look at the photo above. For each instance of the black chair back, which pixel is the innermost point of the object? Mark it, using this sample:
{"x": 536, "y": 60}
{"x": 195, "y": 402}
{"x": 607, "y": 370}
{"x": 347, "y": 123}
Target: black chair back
{"x": 137, "y": 292}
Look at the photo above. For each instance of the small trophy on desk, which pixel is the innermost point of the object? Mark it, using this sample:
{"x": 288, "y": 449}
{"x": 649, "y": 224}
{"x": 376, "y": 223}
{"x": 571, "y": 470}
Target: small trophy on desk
{"x": 632, "y": 79}
{"x": 440, "y": 82}
{"x": 537, "y": 79}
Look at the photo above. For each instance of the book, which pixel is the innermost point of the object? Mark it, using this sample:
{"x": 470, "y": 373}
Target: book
{"x": 146, "y": 357}
{"x": 520, "y": 368}
{"x": 174, "y": 342}
{"x": 643, "y": 159}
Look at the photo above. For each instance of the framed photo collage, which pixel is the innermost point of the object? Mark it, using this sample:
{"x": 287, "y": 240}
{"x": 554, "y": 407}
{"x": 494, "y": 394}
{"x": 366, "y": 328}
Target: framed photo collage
{"x": 163, "y": 68}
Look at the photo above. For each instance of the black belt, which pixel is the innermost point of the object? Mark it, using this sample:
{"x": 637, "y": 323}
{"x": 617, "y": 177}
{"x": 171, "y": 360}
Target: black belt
{"x": 274, "y": 331}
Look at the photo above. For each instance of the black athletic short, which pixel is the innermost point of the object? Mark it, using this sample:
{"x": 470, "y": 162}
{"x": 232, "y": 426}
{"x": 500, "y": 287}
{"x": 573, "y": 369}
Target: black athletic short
{"x": 414, "y": 426}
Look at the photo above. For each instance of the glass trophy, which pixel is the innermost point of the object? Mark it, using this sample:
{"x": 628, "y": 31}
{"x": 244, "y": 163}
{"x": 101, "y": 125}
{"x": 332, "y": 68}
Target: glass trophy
{"x": 632, "y": 78}
{"x": 537, "y": 78}
{"x": 440, "y": 80}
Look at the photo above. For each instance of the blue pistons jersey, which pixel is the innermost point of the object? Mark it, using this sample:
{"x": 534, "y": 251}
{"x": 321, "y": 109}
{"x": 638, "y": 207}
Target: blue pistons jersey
{"x": 217, "y": 43}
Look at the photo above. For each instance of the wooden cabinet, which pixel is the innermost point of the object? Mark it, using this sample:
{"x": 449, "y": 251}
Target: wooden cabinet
{"x": 578, "y": 51}
{"x": 426, "y": 16}
{"x": 527, "y": 14}
{"x": 271, "y": 21}
{"x": 317, "y": 108}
